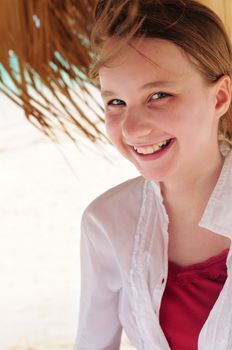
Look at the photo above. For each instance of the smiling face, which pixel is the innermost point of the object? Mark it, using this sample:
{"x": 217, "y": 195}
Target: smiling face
{"x": 160, "y": 113}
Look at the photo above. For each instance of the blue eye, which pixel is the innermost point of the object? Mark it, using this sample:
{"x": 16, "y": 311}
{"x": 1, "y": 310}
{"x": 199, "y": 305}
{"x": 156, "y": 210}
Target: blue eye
{"x": 159, "y": 95}
{"x": 115, "y": 102}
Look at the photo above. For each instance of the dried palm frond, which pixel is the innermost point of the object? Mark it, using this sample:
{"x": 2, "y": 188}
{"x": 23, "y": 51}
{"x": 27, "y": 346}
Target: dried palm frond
{"x": 44, "y": 56}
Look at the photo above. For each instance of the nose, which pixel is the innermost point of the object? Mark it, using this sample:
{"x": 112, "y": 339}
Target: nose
{"x": 136, "y": 124}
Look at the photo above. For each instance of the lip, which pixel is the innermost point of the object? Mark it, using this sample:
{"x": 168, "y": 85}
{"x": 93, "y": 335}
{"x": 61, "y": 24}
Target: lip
{"x": 153, "y": 156}
{"x": 148, "y": 145}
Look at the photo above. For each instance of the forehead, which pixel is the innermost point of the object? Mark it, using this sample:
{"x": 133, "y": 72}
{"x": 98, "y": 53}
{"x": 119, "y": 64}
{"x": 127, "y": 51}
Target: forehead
{"x": 145, "y": 59}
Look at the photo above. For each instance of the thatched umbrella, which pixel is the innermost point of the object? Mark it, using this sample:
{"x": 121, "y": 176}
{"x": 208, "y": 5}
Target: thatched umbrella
{"x": 45, "y": 54}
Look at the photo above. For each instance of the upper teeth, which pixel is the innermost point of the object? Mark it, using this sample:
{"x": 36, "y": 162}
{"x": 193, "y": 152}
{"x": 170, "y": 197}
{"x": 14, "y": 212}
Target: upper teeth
{"x": 151, "y": 149}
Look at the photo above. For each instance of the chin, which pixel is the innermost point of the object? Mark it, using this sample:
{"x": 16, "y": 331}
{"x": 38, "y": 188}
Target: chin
{"x": 153, "y": 176}
{"x": 157, "y": 175}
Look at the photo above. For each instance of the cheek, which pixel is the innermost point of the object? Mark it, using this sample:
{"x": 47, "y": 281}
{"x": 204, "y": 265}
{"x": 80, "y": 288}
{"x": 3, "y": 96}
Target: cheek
{"x": 173, "y": 120}
{"x": 184, "y": 119}
{"x": 113, "y": 130}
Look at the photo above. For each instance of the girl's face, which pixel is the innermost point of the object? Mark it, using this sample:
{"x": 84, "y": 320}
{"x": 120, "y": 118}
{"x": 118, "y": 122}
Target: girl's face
{"x": 160, "y": 114}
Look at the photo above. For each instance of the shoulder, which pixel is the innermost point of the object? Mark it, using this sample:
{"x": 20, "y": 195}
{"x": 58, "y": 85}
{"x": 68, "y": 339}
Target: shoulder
{"x": 110, "y": 221}
{"x": 113, "y": 203}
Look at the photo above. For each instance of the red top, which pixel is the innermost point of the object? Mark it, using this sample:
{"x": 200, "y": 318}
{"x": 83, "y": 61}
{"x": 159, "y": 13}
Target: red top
{"x": 189, "y": 296}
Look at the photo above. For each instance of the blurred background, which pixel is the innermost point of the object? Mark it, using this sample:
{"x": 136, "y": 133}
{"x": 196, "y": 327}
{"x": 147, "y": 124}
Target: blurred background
{"x": 54, "y": 160}
{"x": 44, "y": 189}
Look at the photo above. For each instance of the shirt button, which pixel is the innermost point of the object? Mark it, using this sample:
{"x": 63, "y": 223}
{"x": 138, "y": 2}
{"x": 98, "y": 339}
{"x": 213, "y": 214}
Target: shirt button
{"x": 162, "y": 280}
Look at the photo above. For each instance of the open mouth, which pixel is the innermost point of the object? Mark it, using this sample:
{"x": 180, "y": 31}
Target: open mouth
{"x": 152, "y": 149}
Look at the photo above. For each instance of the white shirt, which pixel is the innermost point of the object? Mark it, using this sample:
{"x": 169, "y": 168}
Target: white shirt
{"x": 124, "y": 259}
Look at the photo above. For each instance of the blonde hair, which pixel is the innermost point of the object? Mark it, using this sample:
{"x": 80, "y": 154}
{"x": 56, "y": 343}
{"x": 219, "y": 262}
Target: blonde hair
{"x": 187, "y": 23}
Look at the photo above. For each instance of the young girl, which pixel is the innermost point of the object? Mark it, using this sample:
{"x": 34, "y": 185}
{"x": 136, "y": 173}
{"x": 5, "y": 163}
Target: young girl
{"x": 155, "y": 250}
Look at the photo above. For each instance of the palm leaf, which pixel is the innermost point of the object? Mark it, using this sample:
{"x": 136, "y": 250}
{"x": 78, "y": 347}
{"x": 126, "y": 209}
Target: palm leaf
{"x": 44, "y": 56}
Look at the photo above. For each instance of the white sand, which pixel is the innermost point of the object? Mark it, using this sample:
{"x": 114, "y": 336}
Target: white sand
{"x": 41, "y": 203}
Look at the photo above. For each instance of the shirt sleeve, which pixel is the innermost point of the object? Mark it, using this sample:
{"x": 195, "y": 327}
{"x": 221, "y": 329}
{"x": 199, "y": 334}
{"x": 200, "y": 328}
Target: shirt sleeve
{"x": 99, "y": 327}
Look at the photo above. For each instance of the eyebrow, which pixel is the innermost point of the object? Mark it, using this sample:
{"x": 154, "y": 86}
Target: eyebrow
{"x": 153, "y": 84}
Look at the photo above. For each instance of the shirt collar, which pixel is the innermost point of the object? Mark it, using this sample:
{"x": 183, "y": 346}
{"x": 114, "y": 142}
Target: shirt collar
{"x": 217, "y": 216}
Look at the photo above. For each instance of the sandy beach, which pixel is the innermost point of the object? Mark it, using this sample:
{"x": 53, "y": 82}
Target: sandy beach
{"x": 44, "y": 189}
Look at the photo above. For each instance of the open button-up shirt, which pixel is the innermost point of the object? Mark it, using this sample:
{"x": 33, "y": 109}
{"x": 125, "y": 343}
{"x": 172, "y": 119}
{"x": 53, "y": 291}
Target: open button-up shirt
{"x": 124, "y": 267}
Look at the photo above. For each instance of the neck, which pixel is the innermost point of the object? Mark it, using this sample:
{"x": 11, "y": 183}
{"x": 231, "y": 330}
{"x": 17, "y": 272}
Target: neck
{"x": 195, "y": 184}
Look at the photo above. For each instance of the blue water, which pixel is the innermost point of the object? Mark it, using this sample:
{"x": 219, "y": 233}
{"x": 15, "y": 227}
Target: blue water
{"x": 7, "y": 83}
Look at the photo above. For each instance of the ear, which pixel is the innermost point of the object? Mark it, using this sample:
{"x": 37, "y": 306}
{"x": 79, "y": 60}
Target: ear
{"x": 222, "y": 95}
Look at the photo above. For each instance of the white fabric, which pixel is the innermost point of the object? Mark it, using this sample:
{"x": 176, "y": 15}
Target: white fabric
{"x": 124, "y": 256}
